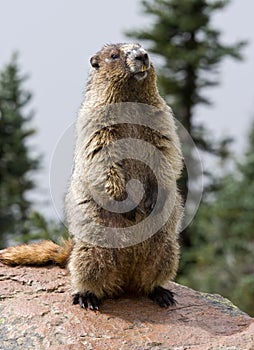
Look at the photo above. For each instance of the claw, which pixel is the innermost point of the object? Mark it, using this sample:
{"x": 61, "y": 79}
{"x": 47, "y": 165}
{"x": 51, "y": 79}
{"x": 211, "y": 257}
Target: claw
{"x": 87, "y": 300}
{"x": 163, "y": 297}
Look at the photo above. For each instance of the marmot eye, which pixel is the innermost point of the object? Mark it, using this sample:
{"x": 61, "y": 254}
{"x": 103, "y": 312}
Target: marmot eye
{"x": 114, "y": 56}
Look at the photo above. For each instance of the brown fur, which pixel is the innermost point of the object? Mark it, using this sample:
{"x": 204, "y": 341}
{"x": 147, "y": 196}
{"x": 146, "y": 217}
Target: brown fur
{"x": 109, "y": 271}
{"x": 37, "y": 254}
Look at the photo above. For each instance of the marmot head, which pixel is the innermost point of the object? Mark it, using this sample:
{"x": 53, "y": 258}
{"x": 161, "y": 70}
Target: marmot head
{"x": 118, "y": 62}
{"x": 122, "y": 73}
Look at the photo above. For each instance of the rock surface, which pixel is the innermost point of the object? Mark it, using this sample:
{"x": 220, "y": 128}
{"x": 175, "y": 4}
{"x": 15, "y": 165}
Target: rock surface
{"x": 36, "y": 313}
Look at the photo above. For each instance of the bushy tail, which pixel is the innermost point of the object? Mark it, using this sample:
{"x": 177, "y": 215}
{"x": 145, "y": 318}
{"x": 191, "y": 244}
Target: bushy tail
{"x": 37, "y": 254}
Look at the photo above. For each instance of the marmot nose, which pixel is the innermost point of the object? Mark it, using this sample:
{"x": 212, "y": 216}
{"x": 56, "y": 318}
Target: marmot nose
{"x": 143, "y": 57}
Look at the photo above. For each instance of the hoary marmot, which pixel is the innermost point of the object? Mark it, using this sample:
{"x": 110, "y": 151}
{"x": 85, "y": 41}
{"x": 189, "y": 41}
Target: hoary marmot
{"x": 102, "y": 259}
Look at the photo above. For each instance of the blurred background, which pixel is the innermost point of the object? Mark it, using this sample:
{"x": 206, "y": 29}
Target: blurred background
{"x": 203, "y": 51}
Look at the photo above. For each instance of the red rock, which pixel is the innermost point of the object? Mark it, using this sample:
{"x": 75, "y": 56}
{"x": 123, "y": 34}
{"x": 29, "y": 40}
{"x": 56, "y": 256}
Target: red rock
{"x": 36, "y": 313}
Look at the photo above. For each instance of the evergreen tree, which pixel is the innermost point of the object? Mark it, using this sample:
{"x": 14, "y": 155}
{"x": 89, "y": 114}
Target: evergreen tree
{"x": 16, "y": 162}
{"x": 191, "y": 51}
{"x": 221, "y": 258}
{"x": 40, "y": 228}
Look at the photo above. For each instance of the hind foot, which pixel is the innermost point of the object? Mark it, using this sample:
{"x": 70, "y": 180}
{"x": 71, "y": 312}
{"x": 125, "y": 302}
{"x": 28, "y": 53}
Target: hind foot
{"x": 162, "y": 296}
{"x": 86, "y": 300}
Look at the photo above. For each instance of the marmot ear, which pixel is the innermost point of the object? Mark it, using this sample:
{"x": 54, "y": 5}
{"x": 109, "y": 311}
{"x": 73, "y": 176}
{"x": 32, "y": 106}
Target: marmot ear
{"x": 95, "y": 61}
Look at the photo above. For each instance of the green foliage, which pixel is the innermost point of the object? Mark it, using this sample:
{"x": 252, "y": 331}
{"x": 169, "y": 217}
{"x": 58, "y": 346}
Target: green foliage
{"x": 222, "y": 250}
{"x": 38, "y": 227}
{"x": 16, "y": 162}
{"x": 18, "y": 220}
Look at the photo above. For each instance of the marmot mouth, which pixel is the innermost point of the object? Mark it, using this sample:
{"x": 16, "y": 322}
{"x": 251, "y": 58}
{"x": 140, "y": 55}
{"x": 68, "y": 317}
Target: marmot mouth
{"x": 140, "y": 75}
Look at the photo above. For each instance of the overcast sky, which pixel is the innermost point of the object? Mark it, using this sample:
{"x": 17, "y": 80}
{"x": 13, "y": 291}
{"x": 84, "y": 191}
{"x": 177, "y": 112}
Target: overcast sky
{"x": 55, "y": 40}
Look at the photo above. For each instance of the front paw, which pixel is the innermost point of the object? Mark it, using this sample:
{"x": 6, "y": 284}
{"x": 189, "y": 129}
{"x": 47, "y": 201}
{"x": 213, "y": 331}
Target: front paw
{"x": 163, "y": 297}
{"x": 87, "y": 300}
